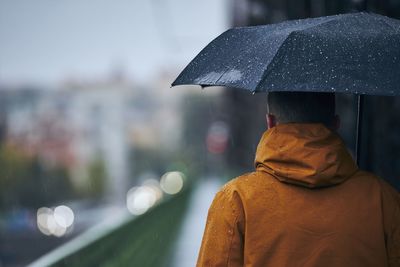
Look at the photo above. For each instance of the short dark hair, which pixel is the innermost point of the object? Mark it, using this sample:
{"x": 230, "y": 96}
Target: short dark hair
{"x": 302, "y": 107}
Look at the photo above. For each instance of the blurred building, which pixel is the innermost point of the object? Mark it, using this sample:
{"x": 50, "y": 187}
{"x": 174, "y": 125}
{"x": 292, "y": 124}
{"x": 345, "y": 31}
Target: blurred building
{"x": 81, "y": 122}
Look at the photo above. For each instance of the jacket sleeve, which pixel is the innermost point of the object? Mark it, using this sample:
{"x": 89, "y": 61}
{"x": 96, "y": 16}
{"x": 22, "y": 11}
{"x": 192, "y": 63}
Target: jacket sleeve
{"x": 393, "y": 243}
{"x": 223, "y": 237}
{"x": 391, "y": 209}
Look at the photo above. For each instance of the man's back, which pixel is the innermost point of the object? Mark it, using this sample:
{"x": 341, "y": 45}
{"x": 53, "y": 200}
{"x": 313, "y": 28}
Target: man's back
{"x": 307, "y": 204}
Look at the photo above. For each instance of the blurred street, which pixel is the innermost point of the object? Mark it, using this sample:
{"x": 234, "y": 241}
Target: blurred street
{"x": 19, "y": 247}
{"x": 189, "y": 239}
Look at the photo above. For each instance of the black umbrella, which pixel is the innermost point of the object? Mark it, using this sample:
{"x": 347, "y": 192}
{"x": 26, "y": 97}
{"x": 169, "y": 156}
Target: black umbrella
{"x": 352, "y": 53}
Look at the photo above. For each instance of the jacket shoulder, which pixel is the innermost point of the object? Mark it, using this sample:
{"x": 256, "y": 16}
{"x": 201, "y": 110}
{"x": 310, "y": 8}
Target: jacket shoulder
{"x": 243, "y": 180}
{"x": 390, "y": 196}
{"x": 249, "y": 184}
{"x": 371, "y": 177}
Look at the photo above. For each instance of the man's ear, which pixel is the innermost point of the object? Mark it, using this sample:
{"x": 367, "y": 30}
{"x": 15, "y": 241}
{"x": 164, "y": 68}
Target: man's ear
{"x": 336, "y": 122}
{"x": 271, "y": 120}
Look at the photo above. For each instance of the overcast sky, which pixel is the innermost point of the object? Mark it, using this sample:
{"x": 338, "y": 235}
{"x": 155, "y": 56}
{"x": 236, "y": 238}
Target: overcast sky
{"x": 51, "y": 40}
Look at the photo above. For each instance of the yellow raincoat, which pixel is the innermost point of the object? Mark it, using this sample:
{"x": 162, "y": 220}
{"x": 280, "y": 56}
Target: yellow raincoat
{"x": 307, "y": 204}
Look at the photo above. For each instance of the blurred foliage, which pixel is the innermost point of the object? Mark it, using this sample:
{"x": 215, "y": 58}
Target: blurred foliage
{"x": 97, "y": 178}
{"x": 156, "y": 162}
{"x": 145, "y": 160}
{"x": 146, "y": 240}
{"x": 25, "y": 182}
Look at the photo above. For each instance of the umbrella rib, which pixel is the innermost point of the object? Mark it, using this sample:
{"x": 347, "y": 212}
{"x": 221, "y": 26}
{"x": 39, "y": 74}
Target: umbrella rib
{"x": 222, "y": 74}
{"x": 280, "y": 55}
{"x": 269, "y": 68}
{"x": 391, "y": 26}
{"x": 384, "y": 20}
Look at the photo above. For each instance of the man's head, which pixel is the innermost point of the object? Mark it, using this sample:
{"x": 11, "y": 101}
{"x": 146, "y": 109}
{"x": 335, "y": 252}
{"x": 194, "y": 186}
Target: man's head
{"x": 302, "y": 107}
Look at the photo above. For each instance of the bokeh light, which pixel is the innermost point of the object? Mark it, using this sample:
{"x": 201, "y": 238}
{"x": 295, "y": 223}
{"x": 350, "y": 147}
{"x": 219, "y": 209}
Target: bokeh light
{"x": 64, "y": 216}
{"x": 172, "y": 182}
{"x": 55, "y": 222}
{"x": 217, "y": 137}
{"x": 140, "y": 199}
{"x": 42, "y": 218}
{"x": 154, "y": 185}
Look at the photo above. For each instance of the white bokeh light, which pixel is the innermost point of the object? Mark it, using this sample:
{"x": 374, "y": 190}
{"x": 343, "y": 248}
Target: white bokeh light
{"x": 64, "y": 216}
{"x": 172, "y": 182}
{"x": 55, "y": 222}
{"x": 42, "y": 217}
{"x": 140, "y": 199}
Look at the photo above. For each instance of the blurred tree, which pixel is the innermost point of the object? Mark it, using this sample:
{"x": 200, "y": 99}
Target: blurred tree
{"x": 153, "y": 163}
{"x": 97, "y": 178}
{"x": 24, "y": 183}
{"x": 13, "y": 169}
{"x": 3, "y": 121}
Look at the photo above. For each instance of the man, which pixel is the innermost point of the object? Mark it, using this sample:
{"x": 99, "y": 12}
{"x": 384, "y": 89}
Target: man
{"x": 307, "y": 203}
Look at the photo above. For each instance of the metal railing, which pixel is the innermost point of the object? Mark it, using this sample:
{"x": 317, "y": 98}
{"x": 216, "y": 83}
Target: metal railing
{"x": 145, "y": 240}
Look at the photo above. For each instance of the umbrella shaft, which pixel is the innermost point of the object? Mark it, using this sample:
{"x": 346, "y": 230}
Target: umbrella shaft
{"x": 360, "y": 108}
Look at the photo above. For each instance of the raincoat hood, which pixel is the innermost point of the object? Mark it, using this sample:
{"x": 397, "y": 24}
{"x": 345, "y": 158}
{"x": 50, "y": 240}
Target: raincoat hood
{"x": 308, "y": 155}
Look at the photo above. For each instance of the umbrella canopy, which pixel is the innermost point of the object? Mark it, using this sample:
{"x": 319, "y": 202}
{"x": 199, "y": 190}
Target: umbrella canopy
{"x": 355, "y": 53}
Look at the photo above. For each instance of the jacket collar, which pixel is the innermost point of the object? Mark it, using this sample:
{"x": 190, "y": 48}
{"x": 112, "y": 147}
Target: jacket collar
{"x": 308, "y": 155}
